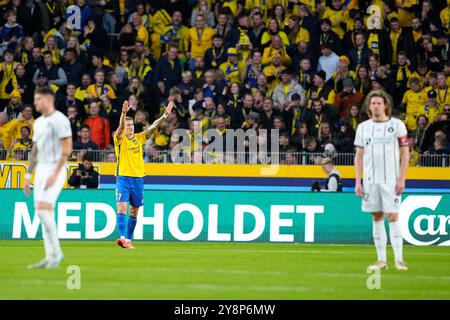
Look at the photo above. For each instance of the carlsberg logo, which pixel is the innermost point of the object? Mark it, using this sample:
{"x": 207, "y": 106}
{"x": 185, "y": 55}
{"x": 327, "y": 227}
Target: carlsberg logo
{"x": 430, "y": 225}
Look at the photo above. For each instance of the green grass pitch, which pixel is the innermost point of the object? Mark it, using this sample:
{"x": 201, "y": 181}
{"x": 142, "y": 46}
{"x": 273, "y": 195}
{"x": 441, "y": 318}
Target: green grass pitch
{"x": 174, "y": 270}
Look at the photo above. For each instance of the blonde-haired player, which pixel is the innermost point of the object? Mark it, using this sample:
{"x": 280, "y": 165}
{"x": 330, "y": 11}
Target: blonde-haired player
{"x": 52, "y": 145}
{"x": 130, "y": 172}
{"x": 382, "y": 153}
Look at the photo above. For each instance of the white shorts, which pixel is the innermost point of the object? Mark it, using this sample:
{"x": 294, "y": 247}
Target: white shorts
{"x": 380, "y": 198}
{"x": 49, "y": 195}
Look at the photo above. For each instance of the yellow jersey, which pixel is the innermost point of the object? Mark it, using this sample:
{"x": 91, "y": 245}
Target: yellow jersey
{"x": 96, "y": 91}
{"x": 130, "y": 159}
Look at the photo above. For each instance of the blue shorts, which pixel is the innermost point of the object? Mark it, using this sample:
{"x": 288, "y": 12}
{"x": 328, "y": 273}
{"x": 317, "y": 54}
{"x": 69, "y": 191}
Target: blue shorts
{"x": 130, "y": 189}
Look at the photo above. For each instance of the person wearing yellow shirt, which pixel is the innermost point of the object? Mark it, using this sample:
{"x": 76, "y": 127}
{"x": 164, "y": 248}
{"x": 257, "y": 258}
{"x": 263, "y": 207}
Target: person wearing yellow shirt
{"x": 175, "y": 33}
{"x": 139, "y": 69}
{"x": 295, "y": 32}
{"x": 445, "y": 16}
{"x": 406, "y": 11}
{"x": 52, "y": 45}
{"x": 21, "y": 146}
{"x": 141, "y": 31}
{"x": 100, "y": 88}
{"x": 272, "y": 31}
{"x": 198, "y": 40}
{"x": 276, "y": 48}
{"x": 422, "y": 73}
{"x": 130, "y": 171}
{"x": 273, "y": 71}
{"x": 232, "y": 69}
{"x": 443, "y": 91}
{"x": 413, "y": 101}
{"x": 8, "y": 78}
{"x": 338, "y": 17}
{"x": 25, "y": 119}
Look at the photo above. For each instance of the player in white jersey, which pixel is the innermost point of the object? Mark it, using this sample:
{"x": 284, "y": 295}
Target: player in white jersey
{"x": 382, "y": 153}
{"x": 52, "y": 145}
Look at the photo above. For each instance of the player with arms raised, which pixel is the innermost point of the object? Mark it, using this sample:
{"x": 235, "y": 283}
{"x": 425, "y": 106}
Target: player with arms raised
{"x": 130, "y": 172}
{"x": 52, "y": 145}
{"x": 382, "y": 153}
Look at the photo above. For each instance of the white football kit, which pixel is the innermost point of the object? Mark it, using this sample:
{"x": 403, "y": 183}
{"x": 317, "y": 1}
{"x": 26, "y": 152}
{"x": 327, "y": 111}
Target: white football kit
{"x": 47, "y": 134}
{"x": 381, "y": 142}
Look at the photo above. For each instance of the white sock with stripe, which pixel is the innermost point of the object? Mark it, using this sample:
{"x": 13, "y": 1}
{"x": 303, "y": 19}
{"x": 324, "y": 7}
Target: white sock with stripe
{"x": 395, "y": 235}
{"x": 380, "y": 239}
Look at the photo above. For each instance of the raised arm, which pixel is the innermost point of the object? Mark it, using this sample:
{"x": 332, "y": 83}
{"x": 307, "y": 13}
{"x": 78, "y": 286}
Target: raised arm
{"x": 123, "y": 115}
{"x": 158, "y": 121}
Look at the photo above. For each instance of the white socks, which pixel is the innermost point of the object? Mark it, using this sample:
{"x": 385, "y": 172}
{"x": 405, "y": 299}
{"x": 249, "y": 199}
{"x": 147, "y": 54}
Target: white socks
{"x": 50, "y": 233}
{"x": 395, "y": 235}
{"x": 380, "y": 239}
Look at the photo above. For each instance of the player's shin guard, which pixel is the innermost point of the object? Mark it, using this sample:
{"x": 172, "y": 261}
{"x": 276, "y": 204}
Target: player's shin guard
{"x": 380, "y": 239}
{"x": 121, "y": 224}
{"x": 131, "y": 225}
{"x": 395, "y": 235}
{"x": 51, "y": 234}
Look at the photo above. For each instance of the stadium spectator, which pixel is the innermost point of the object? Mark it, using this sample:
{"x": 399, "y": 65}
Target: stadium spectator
{"x": 72, "y": 67}
{"x": 282, "y": 95}
{"x": 24, "y": 84}
{"x": 440, "y": 144}
{"x": 85, "y": 176}
{"x": 275, "y": 49}
{"x": 168, "y": 69}
{"x": 76, "y": 121}
{"x": 100, "y": 130}
{"x": 7, "y": 76}
{"x": 359, "y": 55}
{"x": 85, "y": 143}
{"x": 21, "y": 147}
{"x": 11, "y": 33}
{"x": 54, "y": 74}
{"x": 349, "y": 96}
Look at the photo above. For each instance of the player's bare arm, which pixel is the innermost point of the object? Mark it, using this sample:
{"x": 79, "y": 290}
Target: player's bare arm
{"x": 404, "y": 162}
{"x": 66, "y": 144}
{"x": 158, "y": 121}
{"x": 123, "y": 116}
{"x": 31, "y": 165}
{"x": 359, "y": 158}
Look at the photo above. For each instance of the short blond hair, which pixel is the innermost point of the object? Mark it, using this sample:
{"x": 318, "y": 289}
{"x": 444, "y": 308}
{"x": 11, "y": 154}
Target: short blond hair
{"x": 326, "y": 161}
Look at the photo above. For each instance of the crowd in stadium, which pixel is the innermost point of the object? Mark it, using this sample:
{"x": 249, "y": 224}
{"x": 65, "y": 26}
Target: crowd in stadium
{"x": 300, "y": 66}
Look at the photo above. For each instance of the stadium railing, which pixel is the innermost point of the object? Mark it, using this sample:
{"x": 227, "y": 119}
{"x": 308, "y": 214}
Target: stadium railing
{"x": 288, "y": 157}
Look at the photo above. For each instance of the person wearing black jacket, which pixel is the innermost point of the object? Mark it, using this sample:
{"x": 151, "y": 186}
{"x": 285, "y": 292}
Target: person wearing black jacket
{"x": 216, "y": 55}
{"x": 298, "y": 52}
{"x": 349, "y": 36}
{"x": 329, "y": 37}
{"x": 311, "y": 23}
{"x": 378, "y": 41}
{"x": 168, "y": 69}
{"x": 72, "y": 67}
{"x": 24, "y": 84}
{"x": 84, "y": 176}
{"x": 317, "y": 112}
{"x": 35, "y": 62}
{"x": 404, "y": 41}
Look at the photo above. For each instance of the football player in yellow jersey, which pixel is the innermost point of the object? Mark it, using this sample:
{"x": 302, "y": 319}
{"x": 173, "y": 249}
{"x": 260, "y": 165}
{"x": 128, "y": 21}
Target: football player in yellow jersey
{"x": 130, "y": 171}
